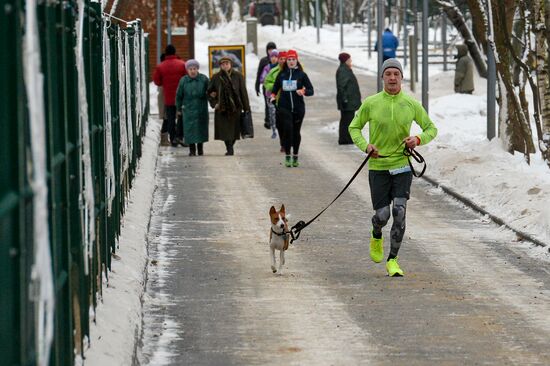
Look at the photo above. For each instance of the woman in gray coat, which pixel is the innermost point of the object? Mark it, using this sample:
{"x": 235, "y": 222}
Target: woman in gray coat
{"x": 228, "y": 96}
{"x": 348, "y": 97}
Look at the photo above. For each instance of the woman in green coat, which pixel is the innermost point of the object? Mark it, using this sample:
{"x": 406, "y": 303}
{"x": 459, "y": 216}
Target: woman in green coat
{"x": 191, "y": 99}
{"x": 348, "y": 97}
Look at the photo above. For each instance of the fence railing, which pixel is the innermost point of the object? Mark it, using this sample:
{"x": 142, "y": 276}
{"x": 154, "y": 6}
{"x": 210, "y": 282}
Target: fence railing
{"x": 76, "y": 104}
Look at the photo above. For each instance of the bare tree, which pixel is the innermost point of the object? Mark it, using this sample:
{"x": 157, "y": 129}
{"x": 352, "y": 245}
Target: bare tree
{"x": 542, "y": 36}
{"x": 513, "y": 119}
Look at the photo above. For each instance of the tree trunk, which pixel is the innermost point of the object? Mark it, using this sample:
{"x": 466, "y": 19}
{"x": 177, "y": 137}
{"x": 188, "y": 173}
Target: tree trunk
{"x": 330, "y": 11}
{"x": 457, "y": 18}
{"x": 542, "y": 35}
{"x": 518, "y": 130}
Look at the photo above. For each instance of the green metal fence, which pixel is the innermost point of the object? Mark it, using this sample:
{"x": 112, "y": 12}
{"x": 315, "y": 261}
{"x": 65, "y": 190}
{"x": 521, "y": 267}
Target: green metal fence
{"x": 78, "y": 274}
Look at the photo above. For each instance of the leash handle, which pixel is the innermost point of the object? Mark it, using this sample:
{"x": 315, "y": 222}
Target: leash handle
{"x": 408, "y": 152}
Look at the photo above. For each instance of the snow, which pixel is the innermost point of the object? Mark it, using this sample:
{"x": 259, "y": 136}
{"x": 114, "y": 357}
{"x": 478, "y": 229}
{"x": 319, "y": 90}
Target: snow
{"x": 88, "y": 189}
{"x": 109, "y": 156}
{"x": 42, "y": 287}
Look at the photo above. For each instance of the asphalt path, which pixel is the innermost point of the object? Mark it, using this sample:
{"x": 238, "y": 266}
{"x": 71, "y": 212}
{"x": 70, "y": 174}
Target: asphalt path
{"x": 470, "y": 294}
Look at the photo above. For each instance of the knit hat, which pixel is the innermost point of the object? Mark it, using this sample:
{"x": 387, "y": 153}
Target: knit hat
{"x": 225, "y": 58}
{"x": 282, "y": 54}
{"x": 343, "y": 57}
{"x": 274, "y": 53}
{"x": 392, "y": 63}
{"x": 291, "y": 54}
{"x": 192, "y": 63}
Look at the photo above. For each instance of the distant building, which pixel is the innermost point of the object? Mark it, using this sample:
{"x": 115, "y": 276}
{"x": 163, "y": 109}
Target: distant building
{"x": 182, "y": 24}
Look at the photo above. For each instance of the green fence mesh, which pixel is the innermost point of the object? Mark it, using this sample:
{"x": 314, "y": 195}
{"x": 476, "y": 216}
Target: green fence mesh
{"x": 76, "y": 290}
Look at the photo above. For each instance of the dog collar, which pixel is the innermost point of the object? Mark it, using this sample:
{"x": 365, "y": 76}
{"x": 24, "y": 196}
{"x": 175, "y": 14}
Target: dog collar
{"x": 279, "y": 234}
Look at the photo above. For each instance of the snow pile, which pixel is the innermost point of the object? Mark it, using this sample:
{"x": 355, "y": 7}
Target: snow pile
{"x": 463, "y": 159}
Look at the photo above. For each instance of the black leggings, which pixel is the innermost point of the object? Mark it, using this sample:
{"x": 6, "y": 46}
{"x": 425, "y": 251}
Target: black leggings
{"x": 170, "y": 125}
{"x": 291, "y": 124}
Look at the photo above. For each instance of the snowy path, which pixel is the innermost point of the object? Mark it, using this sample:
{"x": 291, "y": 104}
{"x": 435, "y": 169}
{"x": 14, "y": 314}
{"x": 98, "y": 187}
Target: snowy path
{"x": 469, "y": 296}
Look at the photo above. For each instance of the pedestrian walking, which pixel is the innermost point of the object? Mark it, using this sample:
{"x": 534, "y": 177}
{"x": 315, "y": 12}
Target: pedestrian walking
{"x": 268, "y": 85}
{"x": 228, "y": 96}
{"x": 389, "y": 114}
{"x": 168, "y": 74}
{"x": 192, "y": 106}
{"x": 348, "y": 96}
{"x": 294, "y": 84}
{"x": 389, "y": 44}
{"x": 270, "y": 46}
{"x": 274, "y": 58}
{"x": 464, "y": 73}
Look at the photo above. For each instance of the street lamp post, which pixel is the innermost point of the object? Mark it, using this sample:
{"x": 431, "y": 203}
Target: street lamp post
{"x": 425, "y": 56}
{"x": 380, "y": 47}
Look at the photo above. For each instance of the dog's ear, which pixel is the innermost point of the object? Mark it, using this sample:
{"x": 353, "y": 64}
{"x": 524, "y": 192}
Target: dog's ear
{"x": 282, "y": 208}
{"x": 272, "y": 211}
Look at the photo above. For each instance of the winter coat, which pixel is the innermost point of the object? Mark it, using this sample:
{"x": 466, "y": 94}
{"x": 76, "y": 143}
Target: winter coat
{"x": 168, "y": 74}
{"x": 288, "y": 81}
{"x": 389, "y": 44}
{"x": 348, "y": 95}
{"x": 230, "y": 101}
{"x": 270, "y": 78}
{"x": 263, "y": 61}
{"x": 191, "y": 97}
{"x": 264, "y": 74}
{"x": 464, "y": 74}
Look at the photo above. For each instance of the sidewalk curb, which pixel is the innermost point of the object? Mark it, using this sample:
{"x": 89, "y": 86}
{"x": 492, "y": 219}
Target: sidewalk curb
{"x": 471, "y": 204}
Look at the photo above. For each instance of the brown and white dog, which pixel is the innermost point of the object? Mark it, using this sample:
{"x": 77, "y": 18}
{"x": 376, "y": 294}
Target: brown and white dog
{"x": 278, "y": 236}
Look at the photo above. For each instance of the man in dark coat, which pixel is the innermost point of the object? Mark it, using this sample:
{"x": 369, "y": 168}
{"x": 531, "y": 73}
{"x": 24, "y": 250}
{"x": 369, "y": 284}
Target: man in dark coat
{"x": 168, "y": 74}
{"x": 348, "y": 97}
{"x": 229, "y": 98}
{"x": 464, "y": 73}
{"x": 264, "y": 61}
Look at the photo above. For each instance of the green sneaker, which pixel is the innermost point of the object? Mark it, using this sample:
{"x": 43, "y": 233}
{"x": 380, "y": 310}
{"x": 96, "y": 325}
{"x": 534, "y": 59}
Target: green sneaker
{"x": 376, "y": 249}
{"x": 295, "y": 161}
{"x": 288, "y": 162}
{"x": 393, "y": 268}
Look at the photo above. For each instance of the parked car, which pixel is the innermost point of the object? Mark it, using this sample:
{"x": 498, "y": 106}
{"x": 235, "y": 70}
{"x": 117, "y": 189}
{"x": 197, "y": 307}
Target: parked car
{"x": 266, "y": 11}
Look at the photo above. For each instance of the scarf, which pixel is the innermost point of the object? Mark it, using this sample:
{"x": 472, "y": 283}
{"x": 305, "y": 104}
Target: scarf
{"x": 228, "y": 97}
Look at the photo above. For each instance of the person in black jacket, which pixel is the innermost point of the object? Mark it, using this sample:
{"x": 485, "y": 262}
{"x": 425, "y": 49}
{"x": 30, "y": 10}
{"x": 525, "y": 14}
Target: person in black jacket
{"x": 292, "y": 84}
{"x": 264, "y": 61}
{"x": 348, "y": 97}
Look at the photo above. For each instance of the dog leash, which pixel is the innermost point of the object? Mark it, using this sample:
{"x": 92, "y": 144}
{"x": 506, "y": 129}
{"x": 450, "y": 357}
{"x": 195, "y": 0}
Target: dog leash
{"x": 408, "y": 152}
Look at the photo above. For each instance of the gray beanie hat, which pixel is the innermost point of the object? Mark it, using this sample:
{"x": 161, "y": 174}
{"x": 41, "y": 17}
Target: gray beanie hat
{"x": 192, "y": 62}
{"x": 392, "y": 62}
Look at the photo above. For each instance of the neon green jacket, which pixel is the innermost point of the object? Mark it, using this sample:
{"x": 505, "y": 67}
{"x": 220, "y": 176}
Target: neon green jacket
{"x": 390, "y": 118}
{"x": 271, "y": 77}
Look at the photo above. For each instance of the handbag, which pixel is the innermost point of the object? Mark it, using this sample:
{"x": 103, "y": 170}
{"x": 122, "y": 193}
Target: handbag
{"x": 247, "y": 128}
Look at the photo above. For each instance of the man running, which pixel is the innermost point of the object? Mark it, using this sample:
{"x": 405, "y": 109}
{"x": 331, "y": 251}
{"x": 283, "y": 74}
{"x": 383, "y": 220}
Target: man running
{"x": 390, "y": 114}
